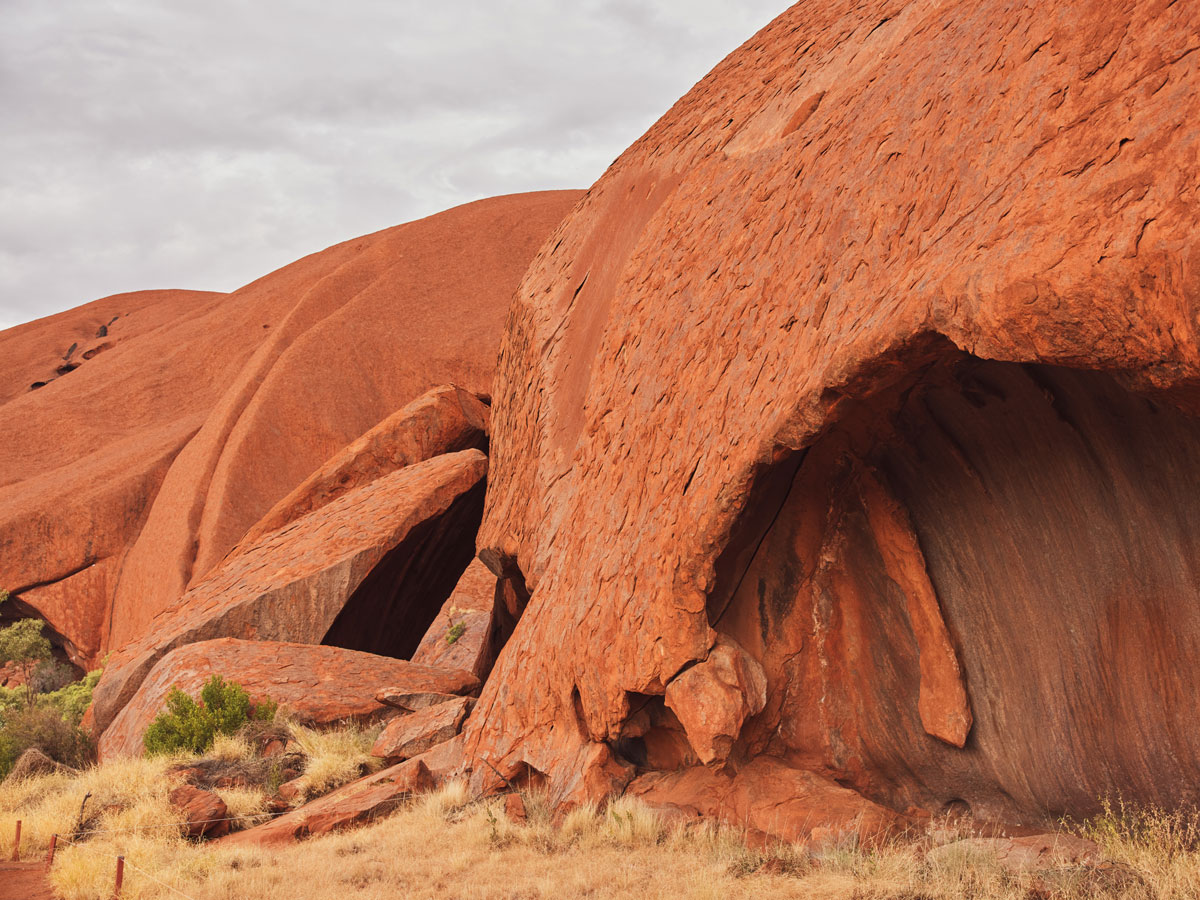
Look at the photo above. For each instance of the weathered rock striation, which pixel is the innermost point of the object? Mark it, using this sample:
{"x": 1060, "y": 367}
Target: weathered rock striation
{"x": 368, "y": 571}
{"x": 877, "y": 357}
{"x": 444, "y": 420}
{"x": 145, "y": 433}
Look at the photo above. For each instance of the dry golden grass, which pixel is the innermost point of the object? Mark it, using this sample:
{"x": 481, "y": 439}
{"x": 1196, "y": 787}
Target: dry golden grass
{"x": 335, "y": 756}
{"x": 445, "y": 845}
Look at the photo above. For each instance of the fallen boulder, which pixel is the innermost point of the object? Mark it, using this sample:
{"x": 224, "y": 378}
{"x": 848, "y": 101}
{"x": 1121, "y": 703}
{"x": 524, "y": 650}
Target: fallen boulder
{"x": 204, "y": 813}
{"x": 713, "y": 698}
{"x": 353, "y": 804}
{"x": 463, "y": 634}
{"x": 364, "y": 572}
{"x": 318, "y": 685}
{"x": 410, "y": 735}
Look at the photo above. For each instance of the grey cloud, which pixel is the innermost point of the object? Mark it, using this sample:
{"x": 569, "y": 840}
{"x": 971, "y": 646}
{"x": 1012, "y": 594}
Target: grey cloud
{"x": 163, "y": 143}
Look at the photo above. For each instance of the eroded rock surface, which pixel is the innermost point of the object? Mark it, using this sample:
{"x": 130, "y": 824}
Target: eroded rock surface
{"x": 412, "y": 734}
{"x": 146, "y": 432}
{"x": 465, "y": 634}
{"x": 367, "y": 571}
{"x": 318, "y": 685}
{"x": 876, "y": 354}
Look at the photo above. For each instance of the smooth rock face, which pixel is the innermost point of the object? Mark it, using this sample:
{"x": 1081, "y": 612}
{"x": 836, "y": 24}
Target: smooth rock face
{"x": 166, "y": 423}
{"x": 878, "y": 355}
{"x": 444, "y": 420}
{"x": 714, "y": 697}
{"x": 356, "y": 803}
{"x": 367, "y": 571}
{"x": 772, "y": 798}
{"x": 462, "y": 635}
{"x": 412, "y": 734}
{"x": 318, "y": 685}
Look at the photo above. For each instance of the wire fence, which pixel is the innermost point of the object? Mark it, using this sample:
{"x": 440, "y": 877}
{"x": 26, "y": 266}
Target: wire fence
{"x": 124, "y": 862}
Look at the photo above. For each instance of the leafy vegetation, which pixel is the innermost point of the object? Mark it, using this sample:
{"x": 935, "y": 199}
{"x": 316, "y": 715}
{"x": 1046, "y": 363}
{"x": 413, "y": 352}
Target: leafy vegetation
{"x": 190, "y": 726}
{"x": 46, "y": 710}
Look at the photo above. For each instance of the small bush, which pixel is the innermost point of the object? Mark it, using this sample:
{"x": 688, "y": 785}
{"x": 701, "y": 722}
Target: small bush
{"x": 46, "y": 729}
{"x": 51, "y": 675}
{"x": 188, "y": 726}
{"x": 72, "y": 701}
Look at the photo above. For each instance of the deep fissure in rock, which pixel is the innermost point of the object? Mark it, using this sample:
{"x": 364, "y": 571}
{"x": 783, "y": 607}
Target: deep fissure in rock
{"x": 391, "y": 610}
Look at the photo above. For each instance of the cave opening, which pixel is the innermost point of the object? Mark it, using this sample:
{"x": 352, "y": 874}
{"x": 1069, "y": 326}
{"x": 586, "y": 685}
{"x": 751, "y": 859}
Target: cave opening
{"x": 979, "y": 584}
{"x": 394, "y": 606}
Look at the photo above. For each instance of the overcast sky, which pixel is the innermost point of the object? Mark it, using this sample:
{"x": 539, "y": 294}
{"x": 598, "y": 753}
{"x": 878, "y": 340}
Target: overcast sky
{"x": 177, "y": 143}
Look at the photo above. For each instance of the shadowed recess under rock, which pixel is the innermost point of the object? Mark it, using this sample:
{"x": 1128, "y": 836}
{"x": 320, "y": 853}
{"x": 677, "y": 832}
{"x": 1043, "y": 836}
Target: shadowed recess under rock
{"x": 1013, "y": 543}
{"x": 394, "y": 606}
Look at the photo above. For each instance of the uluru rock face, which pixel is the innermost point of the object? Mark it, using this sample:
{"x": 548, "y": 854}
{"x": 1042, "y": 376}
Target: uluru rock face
{"x": 367, "y": 572}
{"x": 876, "y": 357}
{"x": 145, "y": 433}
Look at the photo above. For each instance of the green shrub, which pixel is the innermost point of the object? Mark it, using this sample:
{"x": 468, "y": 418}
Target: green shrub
{"x": 46, "y": 729}
{"x": 72, "y": 701}
{"x": 22, "y": 642}
{"x": 51, "y": 675}
{"x": 192, "y": 727}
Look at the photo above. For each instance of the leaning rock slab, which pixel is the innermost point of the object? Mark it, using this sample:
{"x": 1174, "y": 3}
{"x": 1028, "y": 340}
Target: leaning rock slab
{"x": 305, "y": 582}
{"x": 444, "y": 420}
{"x": 319, "y": 685}
{"x": 354, "y": 804}
{"x": 400, "y": 697}
{"x": 461, "y": 637}
{"x": 410, "y": 735}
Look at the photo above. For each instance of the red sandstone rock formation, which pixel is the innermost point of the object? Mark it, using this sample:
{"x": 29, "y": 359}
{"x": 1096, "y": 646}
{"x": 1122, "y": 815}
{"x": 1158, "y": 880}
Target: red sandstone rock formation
{"x": 360, "y": 572}
{"x": 876, "y": 355}
{"x": 164, "y": 424}
{"x": 318, "y": 685}
{"x": 204, "y": 813}
{"x": 464, "y": 634}
{"x": 443, "y": 420}
{"x": 411, "y": 734}
{"x": 356, "y": 803}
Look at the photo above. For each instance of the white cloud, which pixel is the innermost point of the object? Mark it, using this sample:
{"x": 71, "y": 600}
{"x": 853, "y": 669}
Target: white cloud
{"x": 162, "y": 143}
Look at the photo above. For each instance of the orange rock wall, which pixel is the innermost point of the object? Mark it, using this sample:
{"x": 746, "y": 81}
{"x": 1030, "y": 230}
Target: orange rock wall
{"x": 180, "y": 417}
{"x": 856, "y": 180}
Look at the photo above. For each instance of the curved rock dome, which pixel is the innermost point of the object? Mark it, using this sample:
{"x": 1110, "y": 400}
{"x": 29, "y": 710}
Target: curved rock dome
{"x": 869, "y": 373}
